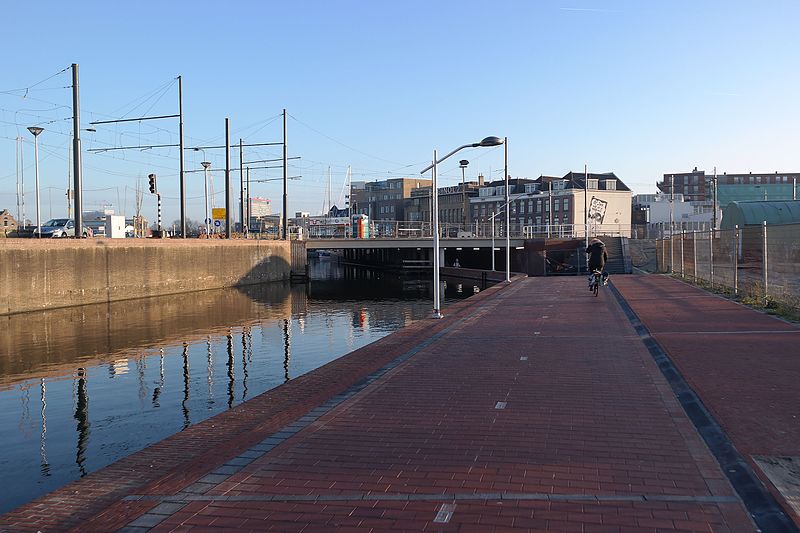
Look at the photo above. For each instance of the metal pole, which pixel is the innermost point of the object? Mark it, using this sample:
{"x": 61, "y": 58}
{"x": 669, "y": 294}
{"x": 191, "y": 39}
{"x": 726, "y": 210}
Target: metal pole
{"x": 435, "y": 214}
{"x": 285, "y": 184}
{"x": 711, "y": 257}
{"x": 464, "y": 196}
{"x": 508, "y": 211}
{"x": 158, "y": 196}
{"x": 493, "y": 217}
{"x": 714, "y": 197}
{"x": 77, "y": 162}
{"x": 247, "y": 205}
{"x": 736, "y": 259}
{"x": 549, "y": 207}
{"x": 694, "y": 254}
{"x": 764, "y": 267}
{"x": 228, "y": 203}
{"x": 20, "y": 189}
{"x": 36, "y": 157}
{"x": 794, "y": 188}
{"x": 683, "y": 233}
{"x": 180, "y": 142}
{"x": 586, "y": 211}
{"x": 206, "y": 164}
{"x": 241, "y": 184}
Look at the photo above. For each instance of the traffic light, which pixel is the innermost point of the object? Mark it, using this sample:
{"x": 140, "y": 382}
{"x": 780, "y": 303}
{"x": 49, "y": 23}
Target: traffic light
{"x": 152, "y": 178}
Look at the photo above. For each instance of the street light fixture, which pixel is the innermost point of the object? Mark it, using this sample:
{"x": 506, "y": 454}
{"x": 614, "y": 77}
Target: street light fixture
{"x": 486, "y": 142}
{"x": 36, "y": 130}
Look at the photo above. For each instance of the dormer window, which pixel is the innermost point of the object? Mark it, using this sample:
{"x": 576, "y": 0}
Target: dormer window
{"x": 610, "y": 185}
{"x": 592, "y": 183}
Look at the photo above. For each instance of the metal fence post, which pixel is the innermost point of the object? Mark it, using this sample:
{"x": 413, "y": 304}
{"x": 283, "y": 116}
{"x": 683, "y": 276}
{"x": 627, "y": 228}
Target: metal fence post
{"x": 736, "y": 259}
{"x": 671, "y": 252}
{"x": 683, "y": 234}
{"x": 764, "y": 267}
{"x": 711, "y": 257}
{"x": 694, "y": 254}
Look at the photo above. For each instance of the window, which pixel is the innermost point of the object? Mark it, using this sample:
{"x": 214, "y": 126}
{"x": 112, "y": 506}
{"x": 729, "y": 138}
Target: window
{"x": 611, "y": 185}
{"x": 522, "y": 207}
{"x": 557, "y": 205}
{"x": 539, "y": 205}
{"x": 566, "y": 204}
{"x": 592, "y": 183}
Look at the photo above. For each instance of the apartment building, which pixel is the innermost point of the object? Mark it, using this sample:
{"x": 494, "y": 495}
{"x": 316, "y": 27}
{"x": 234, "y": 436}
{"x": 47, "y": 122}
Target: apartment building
{"x": 559, "y": 202}
{"x": 697, "y": 186}
{"x": 385, "y": 200}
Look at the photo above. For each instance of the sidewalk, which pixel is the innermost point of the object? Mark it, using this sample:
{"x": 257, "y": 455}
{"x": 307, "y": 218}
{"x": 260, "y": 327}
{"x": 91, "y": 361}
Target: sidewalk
{"x": 528, "y": 407}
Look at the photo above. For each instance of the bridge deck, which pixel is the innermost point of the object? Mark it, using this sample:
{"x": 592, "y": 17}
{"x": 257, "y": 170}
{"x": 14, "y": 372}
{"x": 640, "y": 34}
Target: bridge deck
{"x": 531, "y": 406}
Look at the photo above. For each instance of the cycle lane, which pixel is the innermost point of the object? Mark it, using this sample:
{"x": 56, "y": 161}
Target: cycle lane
{"x": 541, "y": 411}
{"x": 742, "y": 364}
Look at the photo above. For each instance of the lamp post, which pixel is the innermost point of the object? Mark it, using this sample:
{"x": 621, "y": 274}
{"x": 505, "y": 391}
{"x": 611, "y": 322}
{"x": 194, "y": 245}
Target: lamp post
{"x": 494, "y": 215}
{"x": 487, "y": 142}
{"x": 508, "y": 210}
{"x": 206, "y": 165}
{"x": 36, "y": 130}
{"x": 463, "y": 164}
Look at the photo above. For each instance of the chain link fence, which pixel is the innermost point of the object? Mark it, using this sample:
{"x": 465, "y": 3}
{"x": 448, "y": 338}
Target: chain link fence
{"x": 759, "y": 263}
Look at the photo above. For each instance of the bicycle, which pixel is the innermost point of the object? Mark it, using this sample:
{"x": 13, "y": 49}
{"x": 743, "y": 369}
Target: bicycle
{"x": 596, "y": 280}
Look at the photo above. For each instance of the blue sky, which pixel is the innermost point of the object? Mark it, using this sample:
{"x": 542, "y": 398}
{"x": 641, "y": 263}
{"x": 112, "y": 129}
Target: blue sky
{"x": 639, "y": 88}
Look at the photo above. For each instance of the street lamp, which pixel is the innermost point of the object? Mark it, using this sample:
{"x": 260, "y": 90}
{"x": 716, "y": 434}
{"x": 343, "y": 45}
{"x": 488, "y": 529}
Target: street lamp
{"x": 36, "y": 130}
{"x": 494, "y": 215}
{"x": 463, "y": 164}
{"x": 486, "y": 142}
{"x": 206, "y": 164}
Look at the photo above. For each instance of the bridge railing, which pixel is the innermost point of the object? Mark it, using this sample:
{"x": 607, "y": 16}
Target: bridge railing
{"x": 400, "y": 229}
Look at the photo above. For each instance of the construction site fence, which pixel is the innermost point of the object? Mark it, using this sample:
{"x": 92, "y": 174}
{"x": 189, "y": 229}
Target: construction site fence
{"x": 759, "y": 262}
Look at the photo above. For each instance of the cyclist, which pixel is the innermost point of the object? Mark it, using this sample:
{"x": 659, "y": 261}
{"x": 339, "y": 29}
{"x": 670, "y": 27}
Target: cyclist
{"x": 597, "y": 259}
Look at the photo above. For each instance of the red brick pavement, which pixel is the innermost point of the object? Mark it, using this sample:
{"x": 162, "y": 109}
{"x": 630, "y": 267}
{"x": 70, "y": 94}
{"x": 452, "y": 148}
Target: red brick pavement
{"x": 590, "y": 437}
{"x": 744, "y": 365}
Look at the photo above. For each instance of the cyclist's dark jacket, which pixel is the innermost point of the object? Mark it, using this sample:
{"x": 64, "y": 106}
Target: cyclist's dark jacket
{"x": 597, "y": 256}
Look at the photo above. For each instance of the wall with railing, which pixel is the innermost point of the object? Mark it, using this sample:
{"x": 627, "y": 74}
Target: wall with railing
{"x": 761, "y": 262}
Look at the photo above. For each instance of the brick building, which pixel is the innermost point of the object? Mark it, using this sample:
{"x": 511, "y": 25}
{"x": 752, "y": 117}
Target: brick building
{"x": 7, "y": 222}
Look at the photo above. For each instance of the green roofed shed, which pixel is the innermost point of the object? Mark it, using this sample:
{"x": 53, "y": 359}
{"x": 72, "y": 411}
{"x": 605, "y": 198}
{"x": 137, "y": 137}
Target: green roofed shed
{"x": 755, "y": 213}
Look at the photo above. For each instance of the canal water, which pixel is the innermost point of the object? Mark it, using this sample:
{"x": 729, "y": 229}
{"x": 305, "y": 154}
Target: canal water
{"x": 83, "y": 387}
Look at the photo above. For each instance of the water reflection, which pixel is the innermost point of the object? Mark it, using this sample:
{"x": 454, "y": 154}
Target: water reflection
{"x": 82, "y": 416}
{"x": 287, "y": 349}
{"x": 45, "y": 465}
{"x": 155, "y": 365}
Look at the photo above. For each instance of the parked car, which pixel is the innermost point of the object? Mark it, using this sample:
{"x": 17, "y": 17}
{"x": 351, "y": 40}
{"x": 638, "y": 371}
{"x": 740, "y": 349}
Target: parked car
{"x": 59, "y": 227}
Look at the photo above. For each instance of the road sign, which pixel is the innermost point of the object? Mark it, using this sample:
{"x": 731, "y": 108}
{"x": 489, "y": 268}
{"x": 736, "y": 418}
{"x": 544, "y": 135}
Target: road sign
{"x": 218, "y": 213}
{"x": 217, "y": 223}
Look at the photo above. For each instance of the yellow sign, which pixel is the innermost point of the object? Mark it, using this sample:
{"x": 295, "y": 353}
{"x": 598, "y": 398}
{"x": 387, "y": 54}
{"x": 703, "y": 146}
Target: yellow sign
{"x": 218, "y": 213}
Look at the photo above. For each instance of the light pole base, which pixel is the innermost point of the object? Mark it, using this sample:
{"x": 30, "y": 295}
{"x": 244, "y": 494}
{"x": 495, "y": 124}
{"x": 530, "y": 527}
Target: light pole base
{"x": 437, "y": 314}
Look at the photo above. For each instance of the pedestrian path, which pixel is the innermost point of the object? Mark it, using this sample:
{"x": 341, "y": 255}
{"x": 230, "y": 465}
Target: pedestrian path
{"x": 532, "y": 406}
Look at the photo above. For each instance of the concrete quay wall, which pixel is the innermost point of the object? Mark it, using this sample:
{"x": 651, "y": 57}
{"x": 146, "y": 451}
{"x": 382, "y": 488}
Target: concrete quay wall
{"x": 36, "y": 275}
